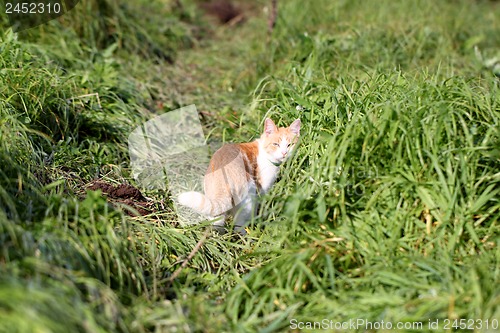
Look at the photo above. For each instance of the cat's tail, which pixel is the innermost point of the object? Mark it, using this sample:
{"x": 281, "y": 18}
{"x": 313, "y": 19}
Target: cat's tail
{"x": 201, "y": 204}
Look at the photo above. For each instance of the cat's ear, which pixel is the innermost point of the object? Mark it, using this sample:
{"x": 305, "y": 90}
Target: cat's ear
{"x": 295, "y": 127}
{"x": 269, "y": 127}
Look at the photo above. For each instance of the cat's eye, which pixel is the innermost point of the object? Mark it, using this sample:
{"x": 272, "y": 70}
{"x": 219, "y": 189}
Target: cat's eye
{"x": 276, "y": 144}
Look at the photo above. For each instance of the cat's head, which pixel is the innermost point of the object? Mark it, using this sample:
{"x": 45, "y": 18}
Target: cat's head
{"x": 278, "y": 143}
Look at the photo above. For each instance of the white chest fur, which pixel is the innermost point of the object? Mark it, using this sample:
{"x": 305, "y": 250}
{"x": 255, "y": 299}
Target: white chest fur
{"x": 268, "y": 172}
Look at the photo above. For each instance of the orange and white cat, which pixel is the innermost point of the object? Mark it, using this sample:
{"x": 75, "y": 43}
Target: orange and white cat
{"x": 238, "y": 173}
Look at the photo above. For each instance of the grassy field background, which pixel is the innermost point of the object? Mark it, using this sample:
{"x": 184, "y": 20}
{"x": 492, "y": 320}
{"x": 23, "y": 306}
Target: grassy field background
{"x": 388, "y": 212}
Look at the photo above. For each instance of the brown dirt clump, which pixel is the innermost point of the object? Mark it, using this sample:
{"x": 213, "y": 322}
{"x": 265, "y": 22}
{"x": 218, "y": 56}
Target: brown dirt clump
{"x": 123, "y": 194}
{"x": 224, "y": 10}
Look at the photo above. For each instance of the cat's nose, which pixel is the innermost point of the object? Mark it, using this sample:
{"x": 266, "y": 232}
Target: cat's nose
{"x": 283, "y": 153}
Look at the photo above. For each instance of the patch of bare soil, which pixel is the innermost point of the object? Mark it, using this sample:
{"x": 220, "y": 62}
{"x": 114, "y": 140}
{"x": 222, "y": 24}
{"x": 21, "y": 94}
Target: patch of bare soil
{"x": 225, "y": 11}
{"x": 124, "y": 195}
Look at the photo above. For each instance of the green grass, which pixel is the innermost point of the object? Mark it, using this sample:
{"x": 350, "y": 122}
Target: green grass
{"x": 388, "y": 211}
